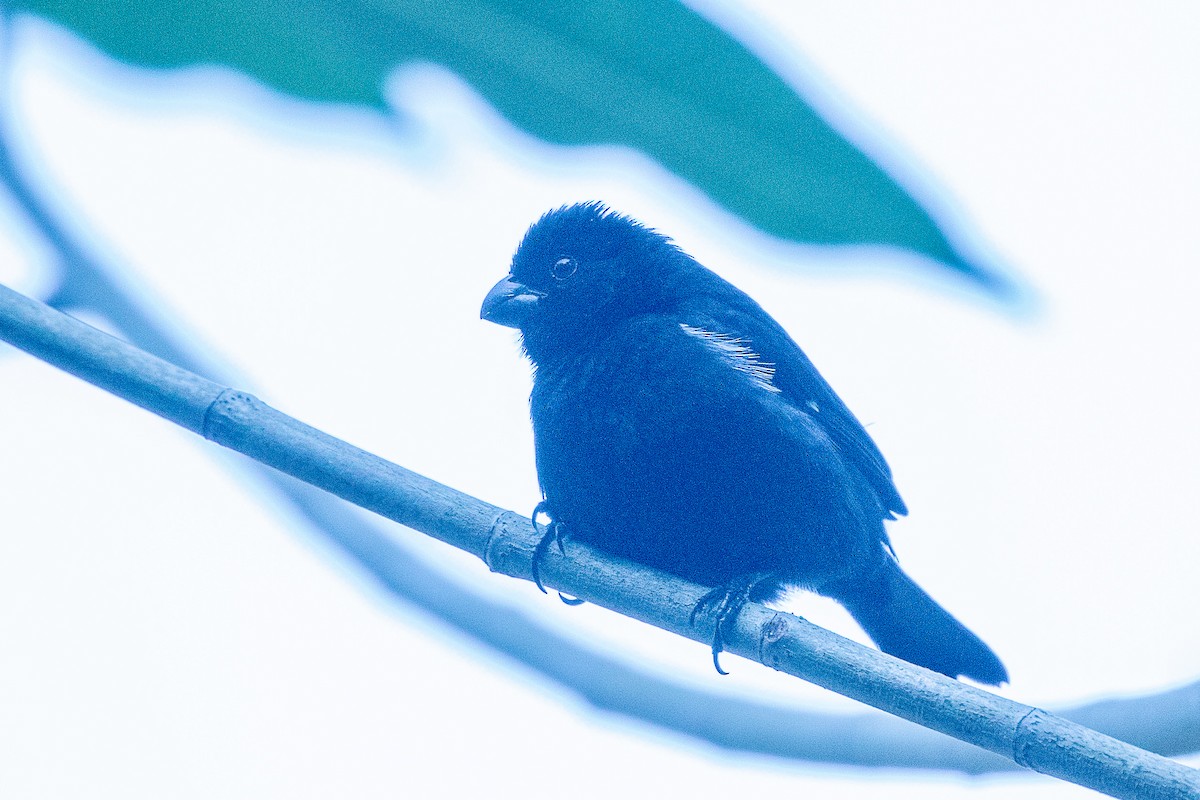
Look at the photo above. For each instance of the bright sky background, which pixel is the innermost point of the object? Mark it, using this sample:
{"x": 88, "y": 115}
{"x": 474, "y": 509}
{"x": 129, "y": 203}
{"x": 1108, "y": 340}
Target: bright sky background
{"x": 166, "y": 632}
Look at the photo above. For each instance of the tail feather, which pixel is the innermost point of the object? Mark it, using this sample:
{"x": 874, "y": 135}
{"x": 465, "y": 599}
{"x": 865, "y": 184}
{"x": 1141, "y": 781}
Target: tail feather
{"x": 906, "y": 622}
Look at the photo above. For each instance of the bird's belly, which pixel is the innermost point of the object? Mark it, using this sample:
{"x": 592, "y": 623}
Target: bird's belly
{"x": 692, "y": 486}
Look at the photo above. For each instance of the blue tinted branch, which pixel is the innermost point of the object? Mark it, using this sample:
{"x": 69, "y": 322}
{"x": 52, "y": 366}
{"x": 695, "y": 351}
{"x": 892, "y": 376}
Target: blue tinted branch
{"x": 1031, "y": 737}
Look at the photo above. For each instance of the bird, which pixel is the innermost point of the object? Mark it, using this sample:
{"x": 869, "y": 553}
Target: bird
{"x": 677, "y": 425}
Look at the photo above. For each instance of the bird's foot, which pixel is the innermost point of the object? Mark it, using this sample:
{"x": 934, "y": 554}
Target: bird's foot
{"x": 554, "y": 535}
{"x": 725, "y": 601}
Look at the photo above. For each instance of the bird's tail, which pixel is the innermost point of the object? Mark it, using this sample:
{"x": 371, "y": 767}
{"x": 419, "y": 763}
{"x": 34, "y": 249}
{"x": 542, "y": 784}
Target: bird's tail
{"x": 906, "y": 622}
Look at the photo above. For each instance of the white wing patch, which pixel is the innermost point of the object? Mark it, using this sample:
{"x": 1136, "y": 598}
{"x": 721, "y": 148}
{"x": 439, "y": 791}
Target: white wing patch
{"x": 737, "y": 353}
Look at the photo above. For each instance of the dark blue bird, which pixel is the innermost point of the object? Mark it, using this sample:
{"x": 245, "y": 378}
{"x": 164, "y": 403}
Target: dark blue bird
{"x": 677, "y": 425}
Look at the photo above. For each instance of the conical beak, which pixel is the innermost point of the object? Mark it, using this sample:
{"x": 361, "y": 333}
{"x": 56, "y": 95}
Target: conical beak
{"x": 509, "y": 303}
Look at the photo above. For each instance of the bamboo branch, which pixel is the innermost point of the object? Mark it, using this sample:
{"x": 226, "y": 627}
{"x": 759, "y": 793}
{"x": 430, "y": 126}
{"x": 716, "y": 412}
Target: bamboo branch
{"x": 610, "y": 684}
{"x": 505, "y": 541}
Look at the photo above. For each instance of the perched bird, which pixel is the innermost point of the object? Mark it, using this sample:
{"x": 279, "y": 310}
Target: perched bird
{"x": 677, "y": 425}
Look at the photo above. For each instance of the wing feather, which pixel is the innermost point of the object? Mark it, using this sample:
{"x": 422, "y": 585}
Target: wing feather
{"x": 731, "y": 320}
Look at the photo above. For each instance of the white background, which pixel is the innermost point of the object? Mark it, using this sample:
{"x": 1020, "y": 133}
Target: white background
{"x": 164, "y": 631}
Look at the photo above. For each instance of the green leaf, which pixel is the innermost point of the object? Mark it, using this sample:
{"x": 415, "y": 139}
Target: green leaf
{"x": 649, "y": 74}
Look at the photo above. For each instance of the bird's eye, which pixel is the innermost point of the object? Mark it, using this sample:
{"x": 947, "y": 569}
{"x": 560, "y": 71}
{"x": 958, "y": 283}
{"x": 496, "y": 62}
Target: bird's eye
{"x": 564, "y": 268}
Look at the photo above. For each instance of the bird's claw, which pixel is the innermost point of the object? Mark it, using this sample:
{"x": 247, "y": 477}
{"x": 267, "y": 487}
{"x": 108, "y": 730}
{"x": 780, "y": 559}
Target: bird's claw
{"x": 723, "y": 600}
{"x": 554, "y": 533}
{"x": 726, "y": 601}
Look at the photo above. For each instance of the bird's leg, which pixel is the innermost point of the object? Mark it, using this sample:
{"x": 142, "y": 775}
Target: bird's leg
{"x": 554, "y": 533}
{"x": 725, "y": 601}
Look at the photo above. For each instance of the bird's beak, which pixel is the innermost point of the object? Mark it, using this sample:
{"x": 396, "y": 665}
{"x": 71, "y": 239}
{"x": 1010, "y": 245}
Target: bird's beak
{"x": 509, "y": 303}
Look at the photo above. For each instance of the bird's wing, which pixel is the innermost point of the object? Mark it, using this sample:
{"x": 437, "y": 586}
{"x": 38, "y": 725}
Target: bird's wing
{"x": 764, "y": 348}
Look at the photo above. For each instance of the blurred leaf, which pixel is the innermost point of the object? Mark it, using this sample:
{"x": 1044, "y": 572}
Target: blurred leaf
{"x": 649, "y": 74}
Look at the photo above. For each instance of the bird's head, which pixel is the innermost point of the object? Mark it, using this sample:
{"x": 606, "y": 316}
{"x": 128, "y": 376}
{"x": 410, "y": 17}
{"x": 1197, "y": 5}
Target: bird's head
{"x": 579, "y": 270}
